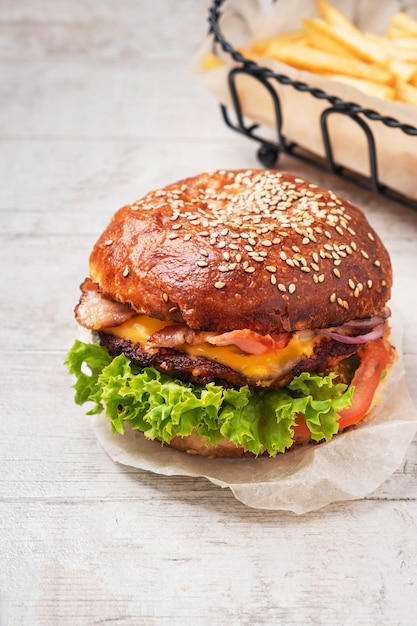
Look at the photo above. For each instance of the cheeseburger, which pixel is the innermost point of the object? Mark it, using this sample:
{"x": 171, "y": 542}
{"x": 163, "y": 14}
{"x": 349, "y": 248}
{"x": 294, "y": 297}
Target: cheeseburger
{"x": 235, "y": 313}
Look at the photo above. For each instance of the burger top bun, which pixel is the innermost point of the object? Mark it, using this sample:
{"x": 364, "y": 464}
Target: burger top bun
{"x": 253, "y": 249}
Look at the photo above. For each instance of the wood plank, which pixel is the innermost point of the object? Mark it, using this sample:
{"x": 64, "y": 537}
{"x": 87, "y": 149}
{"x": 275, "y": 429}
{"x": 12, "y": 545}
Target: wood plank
{"x": 138, "y": 563}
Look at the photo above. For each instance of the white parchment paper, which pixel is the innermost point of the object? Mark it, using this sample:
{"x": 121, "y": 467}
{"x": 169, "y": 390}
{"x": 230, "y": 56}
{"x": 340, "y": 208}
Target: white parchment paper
{"x": 244, "y": 21}
{"x": 350, "y": 466}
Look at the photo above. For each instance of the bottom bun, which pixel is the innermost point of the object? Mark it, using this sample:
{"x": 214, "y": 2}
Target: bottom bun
{"x": 193, "y": 444}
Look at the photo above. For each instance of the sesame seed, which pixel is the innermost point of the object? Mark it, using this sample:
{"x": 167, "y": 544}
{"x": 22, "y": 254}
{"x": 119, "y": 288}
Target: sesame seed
{"x": 351, "y": 283}
{"x": 282, "y": 255}
{"x": 202, "y": 263}
{"x": 339, "y": 230}
{"x": 369, "y": 283}
{"x": 282, "y": 287}
{"x": 336, "y": 272}
{"x": 315, "y": 267}
{"x": 172, "y": 236}
{"x": 249, "y": 269}
{"x": 305, "y": 269}
{"x": 384, "y": 283}
{"x": 266, "y": 242}
{"x": 165, "y": 297}
{"x": 332, "y": 298}
{"x": 315, "y": 278}
{"x": 371, "y": 237}
{"x": 273, "y": 279}
{"x": 108, "y": 242}
{"x": 126, "y": 272}
{"x": 187, "y": 237}
{"x": 291, "y": 288}
{"x": 321, "y": 278}
{"x": 377, "y": 263}
{"x": 226, "y": 256}
{"x": 364, "y": 254}
{"x": 203, "y": 252}
{"x": 258, "y": 259}
{"x": 271, "y": 268}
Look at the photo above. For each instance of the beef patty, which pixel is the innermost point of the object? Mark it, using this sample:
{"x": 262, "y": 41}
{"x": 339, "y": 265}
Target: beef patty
{"x": 201, "y": 371}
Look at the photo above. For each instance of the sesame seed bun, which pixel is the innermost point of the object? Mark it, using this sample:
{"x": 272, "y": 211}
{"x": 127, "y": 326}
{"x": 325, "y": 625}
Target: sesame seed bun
{"x": 259, "y": 250}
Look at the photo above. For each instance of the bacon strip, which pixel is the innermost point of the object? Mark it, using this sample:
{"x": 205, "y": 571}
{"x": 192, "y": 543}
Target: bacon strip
{"x": 95, "y": 311}
{"x": 247, "y": 340}
{"x": 251, "y": 342}
{"x": 174, "y": 336}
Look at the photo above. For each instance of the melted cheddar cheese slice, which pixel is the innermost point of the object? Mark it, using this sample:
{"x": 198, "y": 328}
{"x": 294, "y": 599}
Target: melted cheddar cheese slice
{"x": 262, "y": 368}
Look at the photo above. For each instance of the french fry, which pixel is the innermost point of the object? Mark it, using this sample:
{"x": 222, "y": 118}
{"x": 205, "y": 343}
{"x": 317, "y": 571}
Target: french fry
{"x": 333, "y": 16}
{"x": 211, "y": 62}
{"x": 405, "y": 22}
{"x": 372, "y": 89}
{"x": 394, "y": 50}
{"x": 259, "y": 47}
{"x": 403, "y": 71}
{"x": 406, "y": 43}
{"x": 406, "y": 93}
{"x": 317, "y": 61}
{"x": 318, "y": 39}
{"x": 362, "y": 47}
{"x": 396, "y": 33}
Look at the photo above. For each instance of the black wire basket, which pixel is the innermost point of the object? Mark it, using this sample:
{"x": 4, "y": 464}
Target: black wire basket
{"x": 269, "y": 149}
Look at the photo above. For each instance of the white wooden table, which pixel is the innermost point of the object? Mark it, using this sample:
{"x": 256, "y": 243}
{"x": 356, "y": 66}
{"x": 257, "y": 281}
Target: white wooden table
{"x": 98, "y": 106}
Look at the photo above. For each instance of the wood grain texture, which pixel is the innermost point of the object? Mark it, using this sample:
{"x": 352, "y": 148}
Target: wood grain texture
{"x": 99, "y": 106}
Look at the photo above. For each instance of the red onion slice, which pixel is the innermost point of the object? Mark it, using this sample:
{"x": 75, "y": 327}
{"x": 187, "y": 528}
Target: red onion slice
{"x": 369, "y": 322}
{"x": 376, "y": 333}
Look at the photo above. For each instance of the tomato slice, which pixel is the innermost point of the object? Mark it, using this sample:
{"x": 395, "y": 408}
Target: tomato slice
{"x": 374, "y": 358}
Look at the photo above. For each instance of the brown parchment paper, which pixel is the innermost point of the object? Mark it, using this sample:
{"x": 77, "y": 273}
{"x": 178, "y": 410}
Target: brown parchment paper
{"x": 350, "y": 466}
{"x": 244, "y": 21}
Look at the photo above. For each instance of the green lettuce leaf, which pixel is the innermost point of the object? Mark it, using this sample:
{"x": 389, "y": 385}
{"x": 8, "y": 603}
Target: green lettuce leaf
{"x": 163, "y": 407}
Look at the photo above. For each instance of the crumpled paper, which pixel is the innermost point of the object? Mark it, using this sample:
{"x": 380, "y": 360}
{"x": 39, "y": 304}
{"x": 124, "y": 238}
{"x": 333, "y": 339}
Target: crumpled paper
{"x": 244, "y": 21}
{"x": 348, "y": 467}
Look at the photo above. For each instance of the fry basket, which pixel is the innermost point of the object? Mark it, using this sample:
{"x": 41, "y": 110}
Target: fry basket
{"x": 271, "y": 145}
